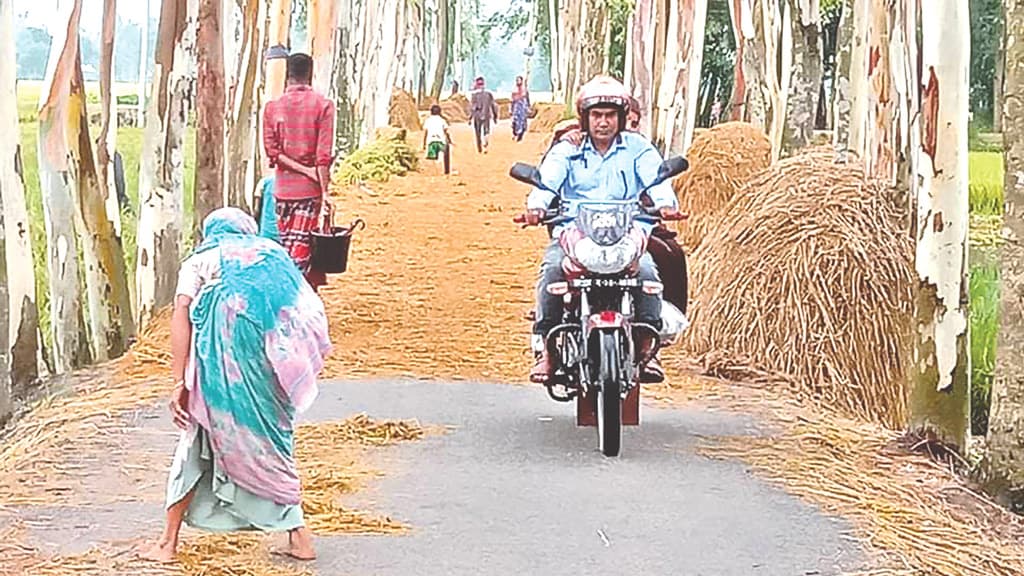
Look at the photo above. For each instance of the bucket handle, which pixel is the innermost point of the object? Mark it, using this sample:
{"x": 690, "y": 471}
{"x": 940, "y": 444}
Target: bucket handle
{"x": 328, "y": 222}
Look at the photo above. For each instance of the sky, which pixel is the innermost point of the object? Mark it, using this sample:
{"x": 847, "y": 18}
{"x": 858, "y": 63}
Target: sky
{"x": 40, "y": 12}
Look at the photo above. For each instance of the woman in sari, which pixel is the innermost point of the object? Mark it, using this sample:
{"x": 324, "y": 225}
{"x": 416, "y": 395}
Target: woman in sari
{"x": 245, "y": 362}
{"x": 520, "y": 109}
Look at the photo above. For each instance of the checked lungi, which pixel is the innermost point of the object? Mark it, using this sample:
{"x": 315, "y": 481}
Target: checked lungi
{"x": 296, "y": 220}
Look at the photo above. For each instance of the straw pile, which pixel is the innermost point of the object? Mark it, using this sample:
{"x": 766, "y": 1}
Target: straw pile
{"x": 906, "y": 506}
{"x": 722, "y": 160}
{"x": 548, "y": 116}
{"x": 808, "y": 275}
{"x": 504, "y": 108}
{"x": 329, "y": 457}
{"x": 403, "y": 112}
{"x": 455, "y": 108}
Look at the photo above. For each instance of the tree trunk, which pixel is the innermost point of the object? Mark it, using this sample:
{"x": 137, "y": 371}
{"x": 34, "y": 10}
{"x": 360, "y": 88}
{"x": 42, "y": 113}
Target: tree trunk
{"x": 458, "y": 71}
{"x": 323, "y": 24}
{"x": 940, "y": 399}
{"x": 594, "y": 46}
{"x": 880, "y": 154}
{"x": 778, "y": 60}
{"x": 998, "y": 95}
{"x": 554, "y": 49}
{"x": 210, "y": 100}
{"x": 442, "y": 50}
{"x": 21, "y": 335}
{"x": 860, "y": 86}
{"x": 757, "y": 106}
{"x": 739, "y": 85}
{"x": 106, "y": 143}
{"x": 58, "y": 183}
{"x": 242, "y": 120}
{"x": 1004, "y": 464}
{"x": 679, "y": 86}
{"x": 840, "y": 108}
{"x": 641, "y": 56}
{"x": 571, "y": 50}
{"x": 278, "y": 34}
{"x": 162, "y": 162}
{"x": 805, "y": 78}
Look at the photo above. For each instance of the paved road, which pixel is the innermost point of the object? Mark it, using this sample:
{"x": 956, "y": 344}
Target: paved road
{"x": 517, "y": 488}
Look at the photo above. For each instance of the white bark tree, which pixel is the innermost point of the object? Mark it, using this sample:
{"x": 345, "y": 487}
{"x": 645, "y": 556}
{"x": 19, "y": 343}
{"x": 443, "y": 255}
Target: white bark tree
{"x": 555, "y": 49}
{"x": 803, "y": 43}
{"x": 162, "y": 163}
{"x": 278, "y": 34}
{"x": 679, "y": 86}
{"x": 323, "y": 25}
{"x": 941, "y": 391}
{"x": 641, "y": 57}
{"x": 1004, "y": 464}
{"x": 110, "y": 314}
{"x": 58, "y": 183}
{"x": 106, "y": 143}
{"x": 243, "y": 86}
{"x": 21, "y": 336}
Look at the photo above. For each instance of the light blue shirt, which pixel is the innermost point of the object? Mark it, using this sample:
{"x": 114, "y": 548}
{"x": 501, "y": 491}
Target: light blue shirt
{"x": 580, "y": 173}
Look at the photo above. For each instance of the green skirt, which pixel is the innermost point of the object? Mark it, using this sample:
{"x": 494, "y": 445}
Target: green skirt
{"x": 434, "y": 150}
{"x": 220, "y": 505}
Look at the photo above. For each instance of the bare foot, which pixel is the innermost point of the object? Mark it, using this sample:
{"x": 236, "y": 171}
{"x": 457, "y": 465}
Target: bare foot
{"x": 163, "y": 552}
{"x": 300, "y": 545}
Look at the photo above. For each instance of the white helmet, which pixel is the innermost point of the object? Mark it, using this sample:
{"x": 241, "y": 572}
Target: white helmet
{"x": 605, "y": 92}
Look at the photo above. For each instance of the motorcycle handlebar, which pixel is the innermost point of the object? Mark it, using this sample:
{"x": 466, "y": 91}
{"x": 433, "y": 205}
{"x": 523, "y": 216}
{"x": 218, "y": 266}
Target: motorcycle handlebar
{"x": 652, "y": 215}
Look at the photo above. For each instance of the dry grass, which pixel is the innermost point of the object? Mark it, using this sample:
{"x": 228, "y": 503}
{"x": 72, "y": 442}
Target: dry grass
{"x": 722, "y": 160}
{"x": 331, "y": 460}
{"x": 403, "y": 112}
{"x": 808, "y": 275}
{"x": 455, "y": 109}
{"x": 548, "y": 116}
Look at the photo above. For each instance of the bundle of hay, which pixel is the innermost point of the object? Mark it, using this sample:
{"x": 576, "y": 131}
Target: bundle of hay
{"x": 389, "y": 155}
{"x": 547, "y": 117}
{"x": 455, "y": 109}
{"x": 722, "y": 159}
{"x": 808, "y": 275}
{"x": 504, "y": 108}
{"x": 403, "y": 112}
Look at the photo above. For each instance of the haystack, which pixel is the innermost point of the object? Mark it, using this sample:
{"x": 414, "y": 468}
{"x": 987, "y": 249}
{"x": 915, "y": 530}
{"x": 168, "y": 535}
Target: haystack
{"x": 808, "y": 275}
{"x": 504, "y": 108}
{"x": 722, "y": 159}
{"x": 403, "y": 112}
{"x": 455, "y": 109}
{"x": 548, "y": 115}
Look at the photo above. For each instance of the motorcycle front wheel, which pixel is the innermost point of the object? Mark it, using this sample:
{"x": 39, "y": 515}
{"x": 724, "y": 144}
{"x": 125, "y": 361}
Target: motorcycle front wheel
{"x": 609, "y": 394}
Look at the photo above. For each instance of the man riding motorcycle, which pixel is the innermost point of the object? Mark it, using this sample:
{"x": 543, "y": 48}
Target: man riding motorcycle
{"x": 610, "y": 164}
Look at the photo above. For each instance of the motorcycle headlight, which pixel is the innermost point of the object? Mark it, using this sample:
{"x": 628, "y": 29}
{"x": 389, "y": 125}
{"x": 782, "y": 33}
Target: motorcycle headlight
{"x": 606, "y": 259}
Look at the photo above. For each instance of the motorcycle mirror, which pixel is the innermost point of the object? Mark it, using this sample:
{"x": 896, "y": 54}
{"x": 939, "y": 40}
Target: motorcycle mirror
{"x": 672, "y": 167}
{"x": 526, "y": 173}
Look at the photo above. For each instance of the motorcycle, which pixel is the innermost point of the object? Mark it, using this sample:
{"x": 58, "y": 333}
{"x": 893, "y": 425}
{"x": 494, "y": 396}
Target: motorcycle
{"x": 594, "y": 346}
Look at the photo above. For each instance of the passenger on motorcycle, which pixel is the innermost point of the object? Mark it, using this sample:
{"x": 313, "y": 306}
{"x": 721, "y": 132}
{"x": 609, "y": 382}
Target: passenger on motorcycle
{"x": 610, "y": 164}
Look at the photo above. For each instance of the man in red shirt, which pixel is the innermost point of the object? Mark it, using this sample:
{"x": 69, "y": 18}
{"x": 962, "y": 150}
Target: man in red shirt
{"x": 298, "y": 136}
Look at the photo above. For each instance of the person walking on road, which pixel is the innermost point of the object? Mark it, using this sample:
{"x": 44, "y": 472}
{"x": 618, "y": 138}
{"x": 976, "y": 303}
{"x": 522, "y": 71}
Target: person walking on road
{"x": 436, "y": 139}
{"x": 520, "y": 109}
{"x": 298, "y": 136}
{"x": 483, "y": 109}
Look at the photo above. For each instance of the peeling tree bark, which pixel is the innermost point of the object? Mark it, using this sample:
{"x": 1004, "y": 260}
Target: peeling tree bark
{"x": 841, "y": 96}
{"x": 640, "y": 80}
{"x": 555, "y": 49}
{"x": 323, "y": 24}
{"x": 594, "y": 45}
{"x": 860, "y": 86}
{"x": 941, "y": 391}
{"x": 21, "y": 335}
{"x": 161, "y": 173}
{"x": 58, "y": 183}
{"x": 739, "y": 84}
{"x": 805, "y": 75}
{"x": 1004, "y": 465}
{"x": 210, "y": 102}
{"x": 758, "y": 104}
{"x": 106, "y": 143}
{"x": 679, "y": 86}
{"x": 241, "y": 120}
